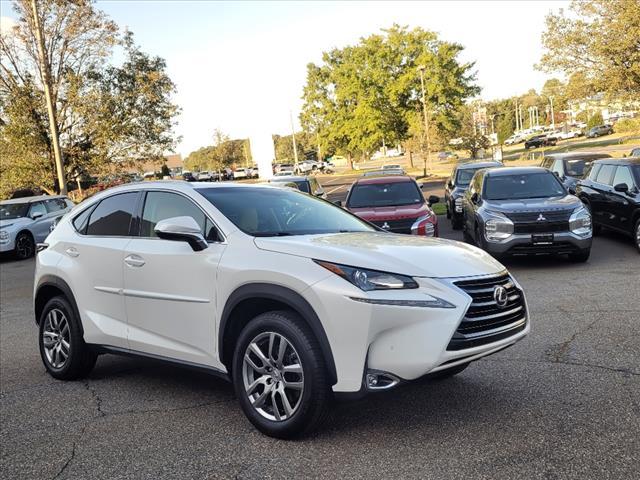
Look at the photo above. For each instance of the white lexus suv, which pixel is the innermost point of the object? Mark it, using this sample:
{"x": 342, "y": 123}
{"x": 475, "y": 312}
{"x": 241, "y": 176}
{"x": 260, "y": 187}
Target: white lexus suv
{"x": 290, "y": 297}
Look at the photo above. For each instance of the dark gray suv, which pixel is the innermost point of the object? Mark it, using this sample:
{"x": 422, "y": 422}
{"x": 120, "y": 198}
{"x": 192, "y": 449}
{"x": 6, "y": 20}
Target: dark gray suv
{"x": 525, "y": 211}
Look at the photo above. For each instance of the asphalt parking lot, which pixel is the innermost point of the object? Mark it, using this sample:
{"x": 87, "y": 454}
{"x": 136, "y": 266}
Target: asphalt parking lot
{"x": 563, "y": 403}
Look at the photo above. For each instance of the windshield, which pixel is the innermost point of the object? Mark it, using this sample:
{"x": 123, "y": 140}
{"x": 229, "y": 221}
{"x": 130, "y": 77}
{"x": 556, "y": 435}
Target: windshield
{"x": 527, "y": 185}
{"x": 577, "y": 167}
{"x": 269, "y": 212}
{"x": 463, "y": 177}
{"x": 13, "y": 210}
{"x": 384, "y": 195}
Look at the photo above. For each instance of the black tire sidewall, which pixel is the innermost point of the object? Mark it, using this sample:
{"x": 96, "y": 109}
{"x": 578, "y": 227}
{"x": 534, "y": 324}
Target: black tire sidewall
{"x": 80, "y": 358}
{"x": 31, "y": 241}
{"x": 316, "y": 389}
{"x": 635, "y": 234}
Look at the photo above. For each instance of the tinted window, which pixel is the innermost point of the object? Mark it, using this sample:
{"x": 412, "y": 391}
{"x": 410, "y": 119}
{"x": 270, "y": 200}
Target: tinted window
{"x": 275, "y": 212}
{"x": 81, "y": 221}
{"x": 527, "y": 185}
{"x": 623, "y": 175}
{"x": 112, "y": 216}
{"x": 303, "y": 186}
{"x": 593, "y": 174}
{"x": 162, "y": 205}
{"x": 384, "y": 194}
{"x": 55, "y": 205}
{"x": 576, "y": 167}
{"x": 9, "y": 211}
{"x": 605, "y": 174}
{"x": 37, "y": 208}
{"x": 464, "y": 176}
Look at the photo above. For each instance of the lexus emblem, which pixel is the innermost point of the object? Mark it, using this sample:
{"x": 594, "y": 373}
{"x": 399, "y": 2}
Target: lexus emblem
{"x": 541, "y": 218}
{"x": 385, "y": 225}
{"x": 500, "y": 295}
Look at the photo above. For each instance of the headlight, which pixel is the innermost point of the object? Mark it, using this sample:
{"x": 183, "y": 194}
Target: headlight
{"x": 4, "y": 236}
{"x": 580, "y": 222}
{"x": 424, "y": 226}
{"x": 368, "y": 280}
{"x": 458, "y": 203}
{"x": 497, "y": 227}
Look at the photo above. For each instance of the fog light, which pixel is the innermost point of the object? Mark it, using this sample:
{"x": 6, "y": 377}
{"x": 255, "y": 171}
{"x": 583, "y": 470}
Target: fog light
{"x": 377, "y": 380}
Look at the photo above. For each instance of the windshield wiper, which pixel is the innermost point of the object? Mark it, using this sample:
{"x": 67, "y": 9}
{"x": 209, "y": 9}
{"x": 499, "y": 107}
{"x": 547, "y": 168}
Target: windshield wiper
{"x": 272, "y": 234}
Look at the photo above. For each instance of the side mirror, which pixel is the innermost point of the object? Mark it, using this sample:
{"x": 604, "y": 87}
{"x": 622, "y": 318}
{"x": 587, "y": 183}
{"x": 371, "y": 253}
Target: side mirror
{"x": 338, "y": 203}
{"x": 475, "y": 197}
{"x": 450, "y": 184}
{"x": 182, "y": 229}
{"x": 621, "y": 187}
{"x": 36, "y": 215}
{"x": 433, "y": 199}
{"x": 318, "y": 193}
{"x": 572, "y": 190}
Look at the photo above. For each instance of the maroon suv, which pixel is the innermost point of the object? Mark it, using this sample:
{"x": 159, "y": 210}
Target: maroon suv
{"x": 394, "y": 203}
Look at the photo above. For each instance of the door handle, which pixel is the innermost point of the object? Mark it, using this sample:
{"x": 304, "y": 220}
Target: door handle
{"x": 72, "y": 252}
{"x": 134, "y": 261}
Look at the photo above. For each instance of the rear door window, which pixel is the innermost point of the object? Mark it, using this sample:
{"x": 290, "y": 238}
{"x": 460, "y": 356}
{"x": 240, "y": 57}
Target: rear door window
{"x": 112, "y": 216}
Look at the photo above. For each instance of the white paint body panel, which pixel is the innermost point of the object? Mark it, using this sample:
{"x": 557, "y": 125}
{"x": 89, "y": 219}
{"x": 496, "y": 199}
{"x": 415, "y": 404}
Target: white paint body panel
{"x": 171, "y": 304}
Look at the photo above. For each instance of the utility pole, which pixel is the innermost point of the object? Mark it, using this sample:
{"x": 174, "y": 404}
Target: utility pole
{"x": 293, "y": 138}
{"x": 553, "y": 118}
{"x": 51, "y": 108}
{"x": 421, "y": 69}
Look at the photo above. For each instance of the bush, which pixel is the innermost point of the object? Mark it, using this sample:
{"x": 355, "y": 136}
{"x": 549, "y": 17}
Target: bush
{"x": 628, "y": 125}
{"x": 595, "y": 120}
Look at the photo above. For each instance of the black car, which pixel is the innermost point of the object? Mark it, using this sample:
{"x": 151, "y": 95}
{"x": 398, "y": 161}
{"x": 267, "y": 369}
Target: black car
{"x": 600, "y": 131}
{"x": 540, "y": 141}
{"x": 611, "y": 192}
{"x": 457, "y": 184}
{"x": 188, "y": 177}
{"x": 306, "y": 184}
{"x": 525, "y": 211}
{"x": 571, "y": 167}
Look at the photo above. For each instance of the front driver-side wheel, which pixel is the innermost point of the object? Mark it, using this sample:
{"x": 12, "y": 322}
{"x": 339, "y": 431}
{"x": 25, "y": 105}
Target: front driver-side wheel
{"x": 279, "y": 375}
{"x": 62, "y": 348}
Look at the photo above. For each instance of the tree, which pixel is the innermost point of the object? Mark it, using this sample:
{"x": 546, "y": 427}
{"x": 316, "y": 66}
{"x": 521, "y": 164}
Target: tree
{"x": 108, "y": 117}
{"x": 473, "y": 139}
{"x": 223, "y": 153}
{"x": 595, "y": 120}
{"x": 368, "y": 93}
{"x": 600, "y": 40}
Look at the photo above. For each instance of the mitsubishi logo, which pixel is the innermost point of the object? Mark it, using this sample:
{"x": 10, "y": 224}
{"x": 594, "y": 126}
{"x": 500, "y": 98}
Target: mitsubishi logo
{"x": 541, "y": 218}
{"x": 385, "y": 225}
{"x": 500, "y": 295}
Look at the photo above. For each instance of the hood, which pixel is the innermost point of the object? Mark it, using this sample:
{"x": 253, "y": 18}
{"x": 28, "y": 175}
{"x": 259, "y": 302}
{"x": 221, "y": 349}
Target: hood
{"x": 404, "y": 254}
{"x": 392, "y": 213}
{"x": 15, "y": 222}
{"x": 568, "y": 202}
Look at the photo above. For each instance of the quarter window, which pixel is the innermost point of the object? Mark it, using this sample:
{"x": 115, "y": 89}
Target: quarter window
{"x": 623, "y": 175}
{"x": 113, "y": 215}
{"x": 162, "y": 205}
{"x": 605, "y": 174}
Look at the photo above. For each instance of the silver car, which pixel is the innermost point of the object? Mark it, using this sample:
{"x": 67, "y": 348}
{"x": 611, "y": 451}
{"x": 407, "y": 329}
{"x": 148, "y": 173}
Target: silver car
{"x": 27, "y": 221}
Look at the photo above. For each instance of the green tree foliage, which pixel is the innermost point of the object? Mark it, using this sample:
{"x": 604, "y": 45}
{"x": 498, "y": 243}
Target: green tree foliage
{"x": 595, "y": 120}
{"x": 598, "y": 39}
{"x": 109, "y": 116}
{"x": 362, "y": 95}
{"x": 305, "y": 143}
{"x": 224, "y": 152}
{"x": 473, "y": 140}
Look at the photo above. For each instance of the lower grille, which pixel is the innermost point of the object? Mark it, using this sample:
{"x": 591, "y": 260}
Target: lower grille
{"x": 485, "y": 321}
{"x": 557, "y": 248}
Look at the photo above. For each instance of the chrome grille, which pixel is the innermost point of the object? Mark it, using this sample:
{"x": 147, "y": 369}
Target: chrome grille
{"x": 532, "y": 216}
{"x": 485, "y": 321}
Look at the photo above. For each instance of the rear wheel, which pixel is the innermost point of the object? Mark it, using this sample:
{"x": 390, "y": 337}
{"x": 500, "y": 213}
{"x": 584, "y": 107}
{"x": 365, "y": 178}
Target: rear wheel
{"x": 449, "y": 372}
{"x": 25, "y": 246}
{"x": 62, "y": 348}
{"x": 279, "y": 375}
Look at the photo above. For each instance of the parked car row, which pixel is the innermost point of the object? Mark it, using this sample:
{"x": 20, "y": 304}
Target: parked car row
{"x": 550, "y": 138}
{"x": 552, "y": 209}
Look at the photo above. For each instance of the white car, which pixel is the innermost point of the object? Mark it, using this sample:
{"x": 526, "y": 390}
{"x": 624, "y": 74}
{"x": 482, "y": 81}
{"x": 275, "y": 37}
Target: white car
{"x": 240, "y": 173}
{"x": 575, "y": 133}
{"x": 288, "y": 296}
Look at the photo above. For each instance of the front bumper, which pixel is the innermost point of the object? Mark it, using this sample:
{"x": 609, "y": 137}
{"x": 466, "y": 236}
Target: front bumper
{"x": 522, "y": 244}
{"x": 406, "y": 342}
{"x": 9, "y": 245}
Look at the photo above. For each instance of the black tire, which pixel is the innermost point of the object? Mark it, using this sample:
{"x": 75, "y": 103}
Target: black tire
{"x": 636, "y": 234}
{"x": 449, "y": 372}
{"x": 25, "y": 246}
{"x": 313, "y": 401}
{"x": 465, "y": 233}
{"x": 80, "y": 359}
{"x": 456, "y": 223}
{"x": 580, "y": 257}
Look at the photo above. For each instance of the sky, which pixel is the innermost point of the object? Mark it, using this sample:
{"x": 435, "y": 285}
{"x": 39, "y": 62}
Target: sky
{"x": 241, "y": 66}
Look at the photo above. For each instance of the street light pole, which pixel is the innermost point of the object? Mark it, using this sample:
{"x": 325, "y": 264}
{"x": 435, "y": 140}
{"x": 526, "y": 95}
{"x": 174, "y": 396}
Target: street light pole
{"x": 421, "y": 69}
{"x": 293, "y": 138}
{"x": 553, "y": 118}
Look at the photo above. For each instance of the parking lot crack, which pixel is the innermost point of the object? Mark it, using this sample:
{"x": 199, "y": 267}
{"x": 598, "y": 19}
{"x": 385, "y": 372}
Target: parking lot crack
{"x": 559, "y": 353}
{"x": 96, "y": 398}
{"x": 72, "y": 456}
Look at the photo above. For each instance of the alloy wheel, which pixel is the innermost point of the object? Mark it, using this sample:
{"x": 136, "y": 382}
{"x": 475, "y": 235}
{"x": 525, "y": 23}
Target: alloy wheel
{"x": 273, "y": 377}
{"x": 56, "y": 338}
{"x": 24, "y": 246}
